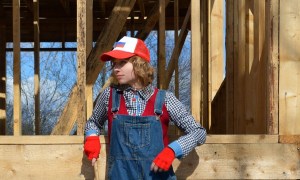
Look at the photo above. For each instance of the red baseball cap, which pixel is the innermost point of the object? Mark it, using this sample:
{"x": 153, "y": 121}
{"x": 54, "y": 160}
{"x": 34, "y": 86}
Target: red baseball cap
{"x": 126, "y": 48}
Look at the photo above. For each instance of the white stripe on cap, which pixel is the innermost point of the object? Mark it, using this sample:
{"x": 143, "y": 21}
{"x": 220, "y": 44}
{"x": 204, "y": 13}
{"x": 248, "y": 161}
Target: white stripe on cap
{"x": 129, "y": 46}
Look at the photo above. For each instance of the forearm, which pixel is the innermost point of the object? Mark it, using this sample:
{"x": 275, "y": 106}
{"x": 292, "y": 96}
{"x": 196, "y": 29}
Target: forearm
{"x": 186, "y": 143}
{"x": 99, "y": 115}
{"x": 195, "y": 134}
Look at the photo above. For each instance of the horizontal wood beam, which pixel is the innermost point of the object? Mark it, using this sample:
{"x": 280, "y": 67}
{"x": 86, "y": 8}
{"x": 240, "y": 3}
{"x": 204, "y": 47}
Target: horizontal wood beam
{"x": 209, "y": 161}
{"x": 289, "y": 139}
{"x": 66, "y": 139}
{"x": 43, "y": 49}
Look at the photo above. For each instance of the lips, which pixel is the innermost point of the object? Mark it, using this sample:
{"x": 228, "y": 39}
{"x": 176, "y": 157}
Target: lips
{"x": 119, "y": 76}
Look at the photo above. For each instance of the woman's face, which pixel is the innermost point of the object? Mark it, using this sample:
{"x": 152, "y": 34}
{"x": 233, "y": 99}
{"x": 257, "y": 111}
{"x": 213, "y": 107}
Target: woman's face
{"x": 123, "y": 71}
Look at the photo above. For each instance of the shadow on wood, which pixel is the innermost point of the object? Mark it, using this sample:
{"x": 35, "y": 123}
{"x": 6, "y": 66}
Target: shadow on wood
{"x": 187, "y": 166}
{"x": 87, "y": 169}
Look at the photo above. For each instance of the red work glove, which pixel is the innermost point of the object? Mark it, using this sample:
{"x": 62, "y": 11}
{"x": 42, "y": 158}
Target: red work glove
{"x": 164, "y": 159}
{"x": 92, "y": 147}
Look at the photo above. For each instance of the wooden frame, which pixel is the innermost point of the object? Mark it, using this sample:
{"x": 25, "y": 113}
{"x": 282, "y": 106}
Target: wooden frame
{"x": 17, "y": 114}
{"x": 257, "y": 41}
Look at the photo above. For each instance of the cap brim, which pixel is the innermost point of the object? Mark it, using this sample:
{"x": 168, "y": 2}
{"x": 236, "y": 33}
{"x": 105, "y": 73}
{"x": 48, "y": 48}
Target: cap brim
{"x": 115, "y": 54}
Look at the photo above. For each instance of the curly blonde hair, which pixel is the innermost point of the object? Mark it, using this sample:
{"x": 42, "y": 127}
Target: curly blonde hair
{"x": 142, "y": 69}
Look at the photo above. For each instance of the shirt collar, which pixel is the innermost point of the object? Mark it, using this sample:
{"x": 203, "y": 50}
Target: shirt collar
{"x": 145, "y": 93}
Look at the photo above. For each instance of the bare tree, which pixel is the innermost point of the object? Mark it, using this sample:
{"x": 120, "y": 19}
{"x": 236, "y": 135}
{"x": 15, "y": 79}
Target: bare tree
{"x": 57, "y": 76}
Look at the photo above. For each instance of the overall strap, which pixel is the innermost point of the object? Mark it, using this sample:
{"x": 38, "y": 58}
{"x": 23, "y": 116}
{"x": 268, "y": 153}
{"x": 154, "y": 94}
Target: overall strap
{"x": 159, "y": 102}
{"x": 115, "y": 100}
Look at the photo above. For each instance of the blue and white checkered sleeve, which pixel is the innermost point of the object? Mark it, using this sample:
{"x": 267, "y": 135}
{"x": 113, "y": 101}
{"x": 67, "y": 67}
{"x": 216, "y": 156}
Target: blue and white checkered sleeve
{"x": 195, "y": 134}
{"x": 99, "y": 115}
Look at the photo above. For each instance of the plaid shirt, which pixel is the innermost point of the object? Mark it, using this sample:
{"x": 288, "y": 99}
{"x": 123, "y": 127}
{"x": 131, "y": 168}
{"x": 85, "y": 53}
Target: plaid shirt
{"x": 136, "y": 102}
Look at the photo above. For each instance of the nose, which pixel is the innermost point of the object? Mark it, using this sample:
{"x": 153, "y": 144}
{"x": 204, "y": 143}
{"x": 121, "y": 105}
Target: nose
{"x": 116, "y": 69}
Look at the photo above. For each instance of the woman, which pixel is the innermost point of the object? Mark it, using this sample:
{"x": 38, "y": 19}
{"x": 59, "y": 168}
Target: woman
{"x": 138, "y": 117}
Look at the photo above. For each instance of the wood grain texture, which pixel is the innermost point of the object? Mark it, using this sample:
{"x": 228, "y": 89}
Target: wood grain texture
{"x": 289, "y": 74}
{"x": 252, "y": 160}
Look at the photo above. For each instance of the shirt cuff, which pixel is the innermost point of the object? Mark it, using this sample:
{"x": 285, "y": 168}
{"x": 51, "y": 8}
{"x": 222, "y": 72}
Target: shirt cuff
{"x": 177, "y": 149}
{"x": 89, "y": 132}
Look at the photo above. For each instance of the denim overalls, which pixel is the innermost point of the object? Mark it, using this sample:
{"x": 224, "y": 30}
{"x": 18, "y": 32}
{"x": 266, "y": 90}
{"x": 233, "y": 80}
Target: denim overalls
{"x": 135, "y": 141}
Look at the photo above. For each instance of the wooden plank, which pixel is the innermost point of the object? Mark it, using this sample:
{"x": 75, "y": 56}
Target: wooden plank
{"x": 207, "y": 7}
{"x": 238, "y": 139}
{"x": 291, "y": 139}
{"x": 176, "y": 26}
{"x": 229, "y": 65}
{"x": 211, "y": 139}
{"x": 176, "y": 37}
{"x": 45, "y": 162}
{"x": 289, "y": 73}
{"x": 196, "y": 72}
{"x": 255, "y": 72}
{"x": 36, "y": 66}
{"x": 240, "y": 161}
{"x": 239, "y": 70}
{"x": 236, "y": 59}
{"x": 251, "y": 60}
{"x": 17, "y": 112}
{"x": 241, "y": 139}
{"x": 161, "y": 48}
{"x": 225, "y": 161}
{"x": 272, "y": 8}
{"x": 89, "y": 47}
{"x": 205, "y": 44}
{"x": 81, "y": 64}
{"x": 2, "y": 80}
{"x": 216, "y": 46}
{"x": 105, "y": 41}
{"x": 252, "y": 65}
{"x": 45, "y": 140}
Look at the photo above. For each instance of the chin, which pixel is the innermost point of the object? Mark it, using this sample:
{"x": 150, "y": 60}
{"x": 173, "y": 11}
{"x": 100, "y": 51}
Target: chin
{"x": 122, "y": 82}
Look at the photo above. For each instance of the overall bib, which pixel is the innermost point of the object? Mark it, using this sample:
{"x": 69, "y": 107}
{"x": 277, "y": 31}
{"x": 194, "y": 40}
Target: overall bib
{"x": 135, "y": 141}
